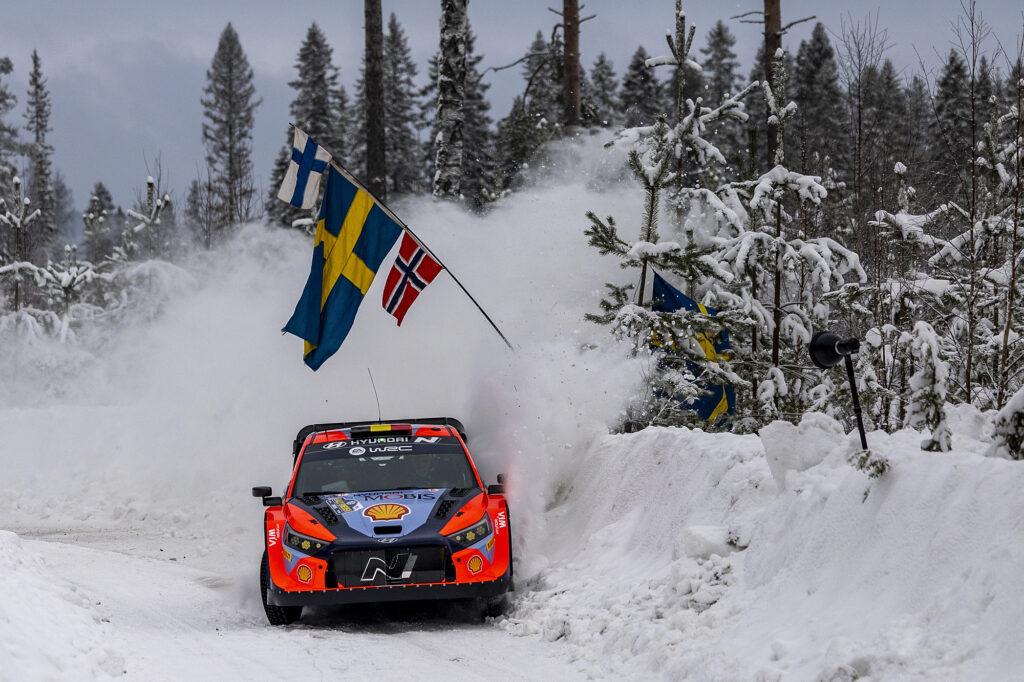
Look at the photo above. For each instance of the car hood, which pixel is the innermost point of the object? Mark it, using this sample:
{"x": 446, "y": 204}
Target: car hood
{"x": 386, "y": 513}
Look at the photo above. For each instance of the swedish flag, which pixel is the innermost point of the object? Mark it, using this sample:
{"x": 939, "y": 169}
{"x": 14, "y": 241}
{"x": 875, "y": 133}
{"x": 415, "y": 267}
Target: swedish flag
{"x": 718, "y": 399}
{"x": 353, "y": 235}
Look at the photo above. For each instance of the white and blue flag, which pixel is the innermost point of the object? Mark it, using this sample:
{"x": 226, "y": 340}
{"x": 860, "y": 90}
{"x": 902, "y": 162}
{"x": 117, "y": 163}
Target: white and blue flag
{"x": 301, "y": 183}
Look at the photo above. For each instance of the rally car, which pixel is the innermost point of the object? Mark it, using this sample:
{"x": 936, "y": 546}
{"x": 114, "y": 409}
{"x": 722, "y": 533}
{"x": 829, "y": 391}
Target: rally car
{"x": 383, "y": 512}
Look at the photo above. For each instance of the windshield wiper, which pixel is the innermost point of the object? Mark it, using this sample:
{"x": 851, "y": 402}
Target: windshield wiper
{"x": 323, "y": 492}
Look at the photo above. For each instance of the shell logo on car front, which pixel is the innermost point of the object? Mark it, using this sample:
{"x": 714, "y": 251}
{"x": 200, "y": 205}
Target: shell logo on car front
{"x": 386, "y": 512}
{"x": 304, "y": 574}
{"x": 475, "y": 564}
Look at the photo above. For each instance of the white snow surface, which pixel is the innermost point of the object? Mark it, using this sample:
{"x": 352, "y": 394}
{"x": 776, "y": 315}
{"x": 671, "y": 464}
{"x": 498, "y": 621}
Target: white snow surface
{"x": 130, "y": 544}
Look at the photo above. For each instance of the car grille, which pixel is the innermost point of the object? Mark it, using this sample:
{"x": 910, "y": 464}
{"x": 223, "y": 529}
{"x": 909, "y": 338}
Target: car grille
{"x": 389, "y": 566}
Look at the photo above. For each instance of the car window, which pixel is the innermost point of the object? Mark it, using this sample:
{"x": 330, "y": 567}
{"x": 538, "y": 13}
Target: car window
{"x": 384, "y": 463}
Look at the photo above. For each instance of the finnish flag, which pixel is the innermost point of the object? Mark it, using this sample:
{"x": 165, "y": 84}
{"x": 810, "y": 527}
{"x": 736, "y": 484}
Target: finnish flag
{"x": 302, "y": 179}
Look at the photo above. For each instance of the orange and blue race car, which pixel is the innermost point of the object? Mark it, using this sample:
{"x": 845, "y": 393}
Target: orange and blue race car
{"x": 383, "y": 512}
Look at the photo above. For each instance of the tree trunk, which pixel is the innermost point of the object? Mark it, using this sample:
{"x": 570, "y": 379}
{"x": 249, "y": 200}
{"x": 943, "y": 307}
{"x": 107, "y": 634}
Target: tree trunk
{"x": 571, "y": 62}
{"x": 376, "y": 166}
{"x": 451, "y": 95}
{"x": 772, "y": 43}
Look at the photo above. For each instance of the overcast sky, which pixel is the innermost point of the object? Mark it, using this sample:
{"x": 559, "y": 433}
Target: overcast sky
{"x": 126, "y": 76}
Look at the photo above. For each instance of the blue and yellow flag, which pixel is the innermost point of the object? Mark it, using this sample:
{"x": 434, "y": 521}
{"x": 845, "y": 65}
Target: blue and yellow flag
{"x": 719, "y": 399}
{"x": 353, "y": 235}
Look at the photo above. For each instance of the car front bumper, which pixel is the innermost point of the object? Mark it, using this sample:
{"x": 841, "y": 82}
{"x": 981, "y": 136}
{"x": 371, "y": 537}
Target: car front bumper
{"x": 383, "y": 593}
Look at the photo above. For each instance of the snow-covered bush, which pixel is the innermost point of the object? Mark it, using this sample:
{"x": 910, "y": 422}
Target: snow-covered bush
{"x": 928, "y": 388}
{"x": 1008, "y": 429}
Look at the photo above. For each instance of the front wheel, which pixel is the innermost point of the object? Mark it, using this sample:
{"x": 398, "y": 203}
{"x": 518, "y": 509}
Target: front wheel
{"x": 277, "y": 615}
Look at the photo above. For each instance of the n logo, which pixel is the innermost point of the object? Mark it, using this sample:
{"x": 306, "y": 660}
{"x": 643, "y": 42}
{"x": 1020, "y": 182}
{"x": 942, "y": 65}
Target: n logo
{"x": 376, "y": 566}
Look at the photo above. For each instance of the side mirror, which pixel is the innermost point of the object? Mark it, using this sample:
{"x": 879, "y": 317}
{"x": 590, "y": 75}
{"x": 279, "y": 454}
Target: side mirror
{"x": 261, "y": 491}
{"x": 496, "y": 489}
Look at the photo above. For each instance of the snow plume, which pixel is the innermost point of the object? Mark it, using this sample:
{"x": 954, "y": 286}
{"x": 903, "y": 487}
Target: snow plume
{"x": 201, "y": 395}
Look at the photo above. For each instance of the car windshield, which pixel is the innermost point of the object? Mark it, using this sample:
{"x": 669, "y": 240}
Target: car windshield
{"x": 384, "y": 463}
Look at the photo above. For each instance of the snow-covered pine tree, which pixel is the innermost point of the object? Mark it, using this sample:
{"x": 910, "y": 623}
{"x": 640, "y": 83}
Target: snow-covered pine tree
{"x": 542, "y": 72}
{"x": 401, "y": 120}
{"x": 518, "y": 140}
{"x": 16, "y": 220}
{"x": 96, "y": 236}
{"x": 658, "y": 155}
{"x": 229, "y": 104}
{"x": 451, "y": 98}
{"x": 721, "y": 79}
{"x": 894, "y": 304}
{"x": 64, "y": 280}
{"x": 603, "y": 94}
{"x": 1008, "y": 429}
{"x": 671, "y": 384}
{"x": 319, "y": 108}
{"x": 640, "y": 92}
{"x": 780, "y": 274}
{"x": 1005, "y": 146}
{"x": 928, "y": 387}
{"x": 39, "y": 188}
{"x": 9, "y": 145}
{"x": 147, "y": 218}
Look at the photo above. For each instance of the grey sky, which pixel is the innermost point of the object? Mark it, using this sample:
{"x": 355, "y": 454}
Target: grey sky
{"x": 126, "y": 75}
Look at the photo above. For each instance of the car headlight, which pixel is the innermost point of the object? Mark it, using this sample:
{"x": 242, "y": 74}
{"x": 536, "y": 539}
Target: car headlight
{"x": 473, "y": 534}
{"x": 303, "y": 543}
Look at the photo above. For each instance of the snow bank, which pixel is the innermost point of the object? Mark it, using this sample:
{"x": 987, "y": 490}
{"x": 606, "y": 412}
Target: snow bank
{"x": 46, "y": 629}
{"x": 676, "y": 553}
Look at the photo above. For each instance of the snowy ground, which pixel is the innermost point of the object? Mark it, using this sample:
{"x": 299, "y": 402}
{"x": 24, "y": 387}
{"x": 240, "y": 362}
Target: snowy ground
{"x": 131, "y": 545}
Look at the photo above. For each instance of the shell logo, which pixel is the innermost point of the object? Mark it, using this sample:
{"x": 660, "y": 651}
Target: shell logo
{"x": 386, "y": 512}
{"x": 304, "y": 574}
{"x": 475, "y": 564}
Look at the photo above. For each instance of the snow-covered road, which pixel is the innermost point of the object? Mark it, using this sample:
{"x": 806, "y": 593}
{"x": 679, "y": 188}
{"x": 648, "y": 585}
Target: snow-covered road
{"x": 166, "y": 613}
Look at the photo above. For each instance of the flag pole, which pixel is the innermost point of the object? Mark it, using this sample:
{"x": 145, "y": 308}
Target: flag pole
{"x": 348, "y": 176}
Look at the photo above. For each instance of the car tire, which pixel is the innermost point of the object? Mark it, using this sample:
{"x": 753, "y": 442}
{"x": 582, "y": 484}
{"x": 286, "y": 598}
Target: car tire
{"x": 277, "y": 615}
{"x": 496, "y": 606}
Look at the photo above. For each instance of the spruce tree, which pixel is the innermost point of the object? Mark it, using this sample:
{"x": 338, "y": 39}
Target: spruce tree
{"x": 603, "y": 94}
{"x": 229, "y": 104}
{"x": 404, "y": 171}
{"x": 519, "y": 138}
{"x": 9, "y": 145}
{"x": 720, "y": 80}
{"x": 542, "y": 72}
{"x": 951, "y": 126}
{"x": 319, "y": 108}
{"x": 535, "y": 116}
{"x": 40, "y": 190}
{"x": 821, "y": 115}
{"x": 640, "y": 93}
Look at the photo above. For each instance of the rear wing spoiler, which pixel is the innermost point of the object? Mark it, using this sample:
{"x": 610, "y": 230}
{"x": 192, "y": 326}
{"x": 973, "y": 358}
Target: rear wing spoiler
{"x": 304, "y": 432}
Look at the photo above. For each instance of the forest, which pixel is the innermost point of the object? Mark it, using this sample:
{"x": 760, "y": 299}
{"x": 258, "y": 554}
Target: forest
{"x": 820, "y": 188}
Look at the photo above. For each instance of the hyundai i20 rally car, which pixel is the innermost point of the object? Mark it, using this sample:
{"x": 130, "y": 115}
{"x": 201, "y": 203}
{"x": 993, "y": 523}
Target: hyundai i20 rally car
{"x": 383, "y": 512}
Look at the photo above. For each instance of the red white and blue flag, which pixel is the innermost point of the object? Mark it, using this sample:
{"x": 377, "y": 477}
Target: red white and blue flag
{"x": 414, "y": 269}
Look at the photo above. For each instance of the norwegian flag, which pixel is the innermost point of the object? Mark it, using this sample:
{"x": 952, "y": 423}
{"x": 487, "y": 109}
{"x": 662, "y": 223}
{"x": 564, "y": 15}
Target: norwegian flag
{"x": 414, "y": 269}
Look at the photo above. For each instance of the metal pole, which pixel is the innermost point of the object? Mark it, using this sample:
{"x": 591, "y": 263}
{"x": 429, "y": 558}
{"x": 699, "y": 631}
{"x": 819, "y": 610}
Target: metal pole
{"x": 401, "y": 223}
{"x": 856, "y": 402}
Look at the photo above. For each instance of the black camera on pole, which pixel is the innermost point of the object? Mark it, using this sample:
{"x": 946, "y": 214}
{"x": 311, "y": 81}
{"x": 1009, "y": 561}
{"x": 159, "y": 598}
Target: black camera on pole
{"x": 828, "y": 350}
